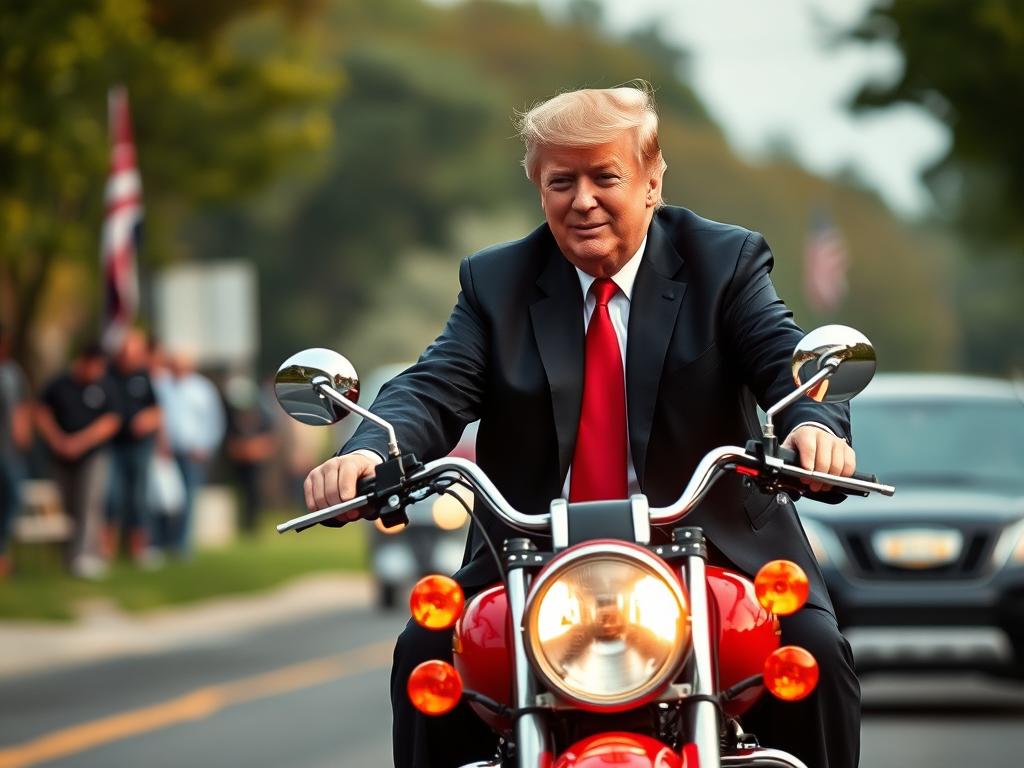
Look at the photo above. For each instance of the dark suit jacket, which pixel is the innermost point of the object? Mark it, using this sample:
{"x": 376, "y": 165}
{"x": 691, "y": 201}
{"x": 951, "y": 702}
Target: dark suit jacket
{"x": 707, "y": 334}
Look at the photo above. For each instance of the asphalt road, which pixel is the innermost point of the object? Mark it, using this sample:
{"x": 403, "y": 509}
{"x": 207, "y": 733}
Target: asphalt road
{"x": 313, "y": 694}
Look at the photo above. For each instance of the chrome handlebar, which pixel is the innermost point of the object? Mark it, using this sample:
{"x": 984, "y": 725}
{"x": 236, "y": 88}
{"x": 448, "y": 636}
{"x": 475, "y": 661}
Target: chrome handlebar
{"x": 708, "y": 471}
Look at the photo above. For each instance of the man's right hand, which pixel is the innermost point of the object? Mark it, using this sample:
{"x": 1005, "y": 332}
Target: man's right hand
{"x": 335, "y": 480}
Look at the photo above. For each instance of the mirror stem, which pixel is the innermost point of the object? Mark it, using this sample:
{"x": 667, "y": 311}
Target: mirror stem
{"x": 827, "y": 370}
{"x": 326, "y": 390}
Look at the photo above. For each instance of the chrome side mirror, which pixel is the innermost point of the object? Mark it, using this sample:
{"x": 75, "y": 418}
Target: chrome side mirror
{"x": 320, "y": 387}
{"x": 299, "y": 382}
{"x": 846, "y": 351}
{"x": 831, "y": 364}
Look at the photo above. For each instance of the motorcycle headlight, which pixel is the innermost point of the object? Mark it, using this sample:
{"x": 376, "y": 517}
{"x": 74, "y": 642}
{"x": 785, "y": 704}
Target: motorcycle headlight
{"x": 607, "y": 625}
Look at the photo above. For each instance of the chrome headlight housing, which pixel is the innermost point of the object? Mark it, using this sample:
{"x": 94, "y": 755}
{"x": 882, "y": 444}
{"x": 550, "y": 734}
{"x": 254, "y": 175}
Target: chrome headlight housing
{"x": 607, "y": 625}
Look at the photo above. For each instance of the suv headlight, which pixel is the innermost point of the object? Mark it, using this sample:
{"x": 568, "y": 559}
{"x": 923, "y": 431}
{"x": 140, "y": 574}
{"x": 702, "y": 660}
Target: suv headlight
{"x": 824, "y": 543}
{"x": 607, "y": 625}
{"x": 1009, "y": 549}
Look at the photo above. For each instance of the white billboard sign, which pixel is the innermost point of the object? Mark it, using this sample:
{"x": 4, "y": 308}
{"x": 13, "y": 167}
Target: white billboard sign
{"x": 209, "y": 310}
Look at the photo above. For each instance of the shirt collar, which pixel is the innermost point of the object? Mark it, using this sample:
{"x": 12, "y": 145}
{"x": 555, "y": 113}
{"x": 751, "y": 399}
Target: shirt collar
{"x": 624, "y": 278}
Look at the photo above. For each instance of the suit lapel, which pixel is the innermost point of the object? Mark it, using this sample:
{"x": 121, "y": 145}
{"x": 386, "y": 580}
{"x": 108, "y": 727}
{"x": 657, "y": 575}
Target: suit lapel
{"x": 557, "y": 320}
{"x": 653, "y": 310}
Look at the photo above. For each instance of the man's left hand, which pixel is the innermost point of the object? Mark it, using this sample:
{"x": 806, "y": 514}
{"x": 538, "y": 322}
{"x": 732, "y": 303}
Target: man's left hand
{"x": 821, "y": 451}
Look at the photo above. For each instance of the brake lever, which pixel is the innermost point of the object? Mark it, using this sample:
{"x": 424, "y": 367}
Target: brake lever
{"x": 862, "y": 484}
{"x": 782, "y": 463}
{"x": 310, "y": 519}
{"x": 385, "y": 494}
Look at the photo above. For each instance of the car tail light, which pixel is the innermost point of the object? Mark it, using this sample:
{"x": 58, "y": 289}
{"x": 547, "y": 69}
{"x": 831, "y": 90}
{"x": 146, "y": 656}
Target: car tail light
{"x": 434, "y": 687}
{"x": 437, "y": 602}
{"x": 791, "y": 673}
{"x": 781, "y": 587}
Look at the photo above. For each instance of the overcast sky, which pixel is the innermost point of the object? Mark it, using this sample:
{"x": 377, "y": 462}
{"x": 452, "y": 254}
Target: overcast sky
{"x": 766, "y": 72}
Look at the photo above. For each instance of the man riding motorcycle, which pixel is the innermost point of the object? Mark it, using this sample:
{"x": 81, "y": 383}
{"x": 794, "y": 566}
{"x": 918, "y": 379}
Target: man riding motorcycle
{"x": 604, "y": 354}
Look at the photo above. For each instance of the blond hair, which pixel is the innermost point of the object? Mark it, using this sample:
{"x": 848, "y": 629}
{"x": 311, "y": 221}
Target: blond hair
{"x": 592, "y": 116}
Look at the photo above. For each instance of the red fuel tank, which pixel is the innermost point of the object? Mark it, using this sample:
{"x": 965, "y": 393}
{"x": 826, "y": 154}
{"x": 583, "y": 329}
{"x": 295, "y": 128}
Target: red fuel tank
{"x": 747, "y": 634}
{"x": 482, "y": 646}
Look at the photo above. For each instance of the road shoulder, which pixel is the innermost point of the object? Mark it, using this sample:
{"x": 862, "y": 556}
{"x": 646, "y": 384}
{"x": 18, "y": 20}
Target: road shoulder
{"x": 104, "y": 631}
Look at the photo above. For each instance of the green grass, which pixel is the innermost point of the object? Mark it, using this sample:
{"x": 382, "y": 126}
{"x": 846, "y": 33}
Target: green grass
{"x": 39, "y": 589}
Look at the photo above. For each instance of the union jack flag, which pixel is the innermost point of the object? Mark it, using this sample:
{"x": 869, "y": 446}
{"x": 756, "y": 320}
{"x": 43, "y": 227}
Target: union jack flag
{"x": 122, "y": 225}
{"x": 825, "y": 264}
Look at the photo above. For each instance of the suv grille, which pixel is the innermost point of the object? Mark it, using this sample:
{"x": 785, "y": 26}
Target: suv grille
{"x": 975, "y": 555}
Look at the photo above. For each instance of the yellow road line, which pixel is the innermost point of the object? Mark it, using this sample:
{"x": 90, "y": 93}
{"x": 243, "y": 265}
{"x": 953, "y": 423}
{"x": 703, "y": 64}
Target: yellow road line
{"x": 197, "y": 705}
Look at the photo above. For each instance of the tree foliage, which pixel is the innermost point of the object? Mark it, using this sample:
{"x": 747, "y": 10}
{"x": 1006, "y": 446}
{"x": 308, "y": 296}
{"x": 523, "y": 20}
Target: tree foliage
{"x": 213, "y": 120}
{"x": 407, "y": 108}
{"x": 965, "y": 63}
{"x": 424, "y": 142}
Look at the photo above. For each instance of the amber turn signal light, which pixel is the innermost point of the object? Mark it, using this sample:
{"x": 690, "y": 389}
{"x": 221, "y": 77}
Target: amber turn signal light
{"x": 791, "y": 673}
{"x": 781, "y": 587}
{"x": 434, "y": 687}
{"x": 437, "y": 602}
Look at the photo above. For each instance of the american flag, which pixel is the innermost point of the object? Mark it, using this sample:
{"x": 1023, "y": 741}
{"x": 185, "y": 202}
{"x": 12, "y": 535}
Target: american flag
{"x": 121, "y": 225}
{"x": 825, "y": 263}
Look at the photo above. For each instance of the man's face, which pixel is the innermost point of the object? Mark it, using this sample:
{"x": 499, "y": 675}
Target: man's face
{"x": 89, "y": 368}
{"x": 598, "y": 202}
{"x": 132, "y": 354}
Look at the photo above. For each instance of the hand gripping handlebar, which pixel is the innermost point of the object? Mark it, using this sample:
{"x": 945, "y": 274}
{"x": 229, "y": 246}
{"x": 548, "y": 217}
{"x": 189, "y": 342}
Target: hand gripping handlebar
{"x": 708, "y": 471}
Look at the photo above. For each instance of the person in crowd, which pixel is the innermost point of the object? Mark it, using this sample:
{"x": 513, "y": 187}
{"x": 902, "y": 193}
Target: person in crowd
{"x": 130, "y": 520}
{"x": 15, "y": 437}
{"x": 616, "y": 300}
{"x": 166, "y": 497}
{"x": 250, "y": 444}
{"x": 79, "y": 413}
{"x": 194, "y": 422}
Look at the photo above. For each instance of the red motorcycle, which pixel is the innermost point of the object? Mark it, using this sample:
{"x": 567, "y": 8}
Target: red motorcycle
{"x": 607, "y": 649}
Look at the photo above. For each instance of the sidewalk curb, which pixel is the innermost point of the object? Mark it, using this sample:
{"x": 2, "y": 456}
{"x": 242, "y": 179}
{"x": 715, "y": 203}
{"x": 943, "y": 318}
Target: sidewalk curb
{"x": 105, "y": 631}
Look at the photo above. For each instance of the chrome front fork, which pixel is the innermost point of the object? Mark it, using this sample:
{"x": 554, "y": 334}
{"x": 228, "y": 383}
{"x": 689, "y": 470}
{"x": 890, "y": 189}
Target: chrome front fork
{"x": 703, "y": 715}
{"x": 531, "y": 736}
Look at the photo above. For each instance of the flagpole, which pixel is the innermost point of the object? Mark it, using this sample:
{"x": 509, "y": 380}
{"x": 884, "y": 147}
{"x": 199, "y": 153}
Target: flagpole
{"x": 121, "y": 224}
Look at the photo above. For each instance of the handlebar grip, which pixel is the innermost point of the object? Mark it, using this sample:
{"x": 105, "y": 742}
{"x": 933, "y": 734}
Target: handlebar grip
{"x": 364, "y": 487}
{"x": 790, "y": 457}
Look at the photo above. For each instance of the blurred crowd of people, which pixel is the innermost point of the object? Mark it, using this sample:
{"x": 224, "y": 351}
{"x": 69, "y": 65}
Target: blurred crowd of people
{"x": 129, "y": 439}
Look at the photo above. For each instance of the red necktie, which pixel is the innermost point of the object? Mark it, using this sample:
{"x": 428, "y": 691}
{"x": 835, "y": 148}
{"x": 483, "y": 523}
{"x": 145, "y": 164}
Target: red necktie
{"x": 599, "y": 463}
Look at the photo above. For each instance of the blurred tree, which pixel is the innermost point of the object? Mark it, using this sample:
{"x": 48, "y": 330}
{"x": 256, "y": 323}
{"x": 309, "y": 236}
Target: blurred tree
{"x": 423, "y": 133}
{"x": 212, "y": 121}
{"x": 965, "y": 63}
{"x": 424, "y": 140}
{"x": 402, "y": 113}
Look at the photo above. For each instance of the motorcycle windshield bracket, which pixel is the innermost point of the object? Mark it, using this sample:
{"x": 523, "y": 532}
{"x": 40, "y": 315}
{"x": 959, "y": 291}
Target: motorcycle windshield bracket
{"x": 673, "y": 693}
{"x": 535, "y": 560}
{"x": 686, "y": 542}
